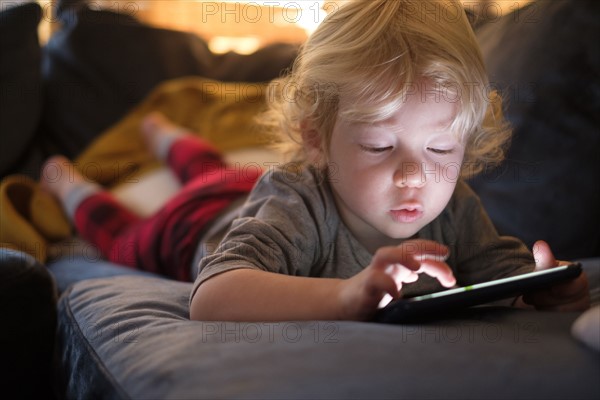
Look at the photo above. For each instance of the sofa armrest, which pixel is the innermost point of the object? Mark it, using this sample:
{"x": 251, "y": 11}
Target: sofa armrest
{"x": 28, "y": 310}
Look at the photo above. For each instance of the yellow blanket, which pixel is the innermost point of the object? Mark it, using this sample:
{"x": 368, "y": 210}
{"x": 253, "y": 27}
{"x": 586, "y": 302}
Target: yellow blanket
{"x": 221, "y": 112}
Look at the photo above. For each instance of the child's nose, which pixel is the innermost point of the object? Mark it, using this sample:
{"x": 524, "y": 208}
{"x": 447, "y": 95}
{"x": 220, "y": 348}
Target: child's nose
{"x": 410, "y": 174}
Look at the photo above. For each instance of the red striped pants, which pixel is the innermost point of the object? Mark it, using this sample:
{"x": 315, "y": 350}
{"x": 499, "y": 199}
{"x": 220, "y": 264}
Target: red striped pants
{"x": 165, "y": 243}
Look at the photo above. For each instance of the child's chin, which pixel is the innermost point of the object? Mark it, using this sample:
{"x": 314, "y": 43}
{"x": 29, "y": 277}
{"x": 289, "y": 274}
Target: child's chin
{"x": 403, "y": 234}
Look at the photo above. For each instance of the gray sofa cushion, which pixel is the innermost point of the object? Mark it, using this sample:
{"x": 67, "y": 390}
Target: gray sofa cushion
{"x": 130, "y": 337}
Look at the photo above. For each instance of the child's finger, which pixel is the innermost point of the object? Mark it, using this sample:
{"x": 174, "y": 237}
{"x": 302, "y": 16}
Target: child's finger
{"x": 410, "y": 254}
{"x": 387, "y": 256}
{"x": 439, "y": 270}
{"x": 382, "y": 286}
{"x": 401, "y": 274}
{"x": 543, "y": 256}
{"x": 426, "y": 249}
{"x": 572, "y": 292}
{"x": 572, "y": 289}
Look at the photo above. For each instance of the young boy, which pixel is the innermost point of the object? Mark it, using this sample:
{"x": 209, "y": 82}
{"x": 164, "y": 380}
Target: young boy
{"x": 386, "y": 108}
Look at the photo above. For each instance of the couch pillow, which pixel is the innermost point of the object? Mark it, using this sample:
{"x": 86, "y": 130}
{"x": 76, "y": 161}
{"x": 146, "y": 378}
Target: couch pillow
{"x": 102, "y": 63}
{"x": 130, "y": 337}
{"x": 20, "y": 84}
{"x": 545, "y": 61}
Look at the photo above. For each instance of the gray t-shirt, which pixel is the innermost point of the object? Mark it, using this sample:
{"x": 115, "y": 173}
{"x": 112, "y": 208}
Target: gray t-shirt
{"x": 290, "y": 225}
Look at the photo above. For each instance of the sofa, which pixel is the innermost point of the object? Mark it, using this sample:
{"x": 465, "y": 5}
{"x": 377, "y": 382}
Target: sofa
{"x": 80, "y": 327}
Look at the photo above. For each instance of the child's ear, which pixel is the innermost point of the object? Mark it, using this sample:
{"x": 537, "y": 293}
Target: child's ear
{"x": 312, "y": 141}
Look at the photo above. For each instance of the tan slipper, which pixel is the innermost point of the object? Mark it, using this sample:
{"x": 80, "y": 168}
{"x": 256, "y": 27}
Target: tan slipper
{"x": 30, "y": 218}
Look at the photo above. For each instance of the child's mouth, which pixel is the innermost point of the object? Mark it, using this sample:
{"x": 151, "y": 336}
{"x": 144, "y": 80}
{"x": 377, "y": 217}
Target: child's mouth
{"x": 407, "y": 215}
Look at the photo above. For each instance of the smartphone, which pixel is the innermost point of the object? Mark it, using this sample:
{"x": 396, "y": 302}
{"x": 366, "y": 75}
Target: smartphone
{"x": 436, "y": 304}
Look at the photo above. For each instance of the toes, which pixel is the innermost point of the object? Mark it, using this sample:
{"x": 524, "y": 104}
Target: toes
{"x": 158, "y": 133}
{"x": 153, "y": 122}
{"x": 51, "y": 172}
{"x": 58, "y": 173}
{"x": 53, "y": 168}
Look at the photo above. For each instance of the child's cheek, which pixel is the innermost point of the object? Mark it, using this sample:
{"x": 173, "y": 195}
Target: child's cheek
{"x": 451, "y": 172}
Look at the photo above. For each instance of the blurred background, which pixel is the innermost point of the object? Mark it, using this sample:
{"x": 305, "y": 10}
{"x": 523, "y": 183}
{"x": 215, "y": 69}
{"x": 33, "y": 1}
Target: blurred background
{"x": 242, "y": 26}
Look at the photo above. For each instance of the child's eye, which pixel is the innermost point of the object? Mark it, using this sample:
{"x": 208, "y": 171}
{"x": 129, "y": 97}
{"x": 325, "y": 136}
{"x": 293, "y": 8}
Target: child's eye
{"x": 376, "y": 150}
{"x": 440, "y": 151}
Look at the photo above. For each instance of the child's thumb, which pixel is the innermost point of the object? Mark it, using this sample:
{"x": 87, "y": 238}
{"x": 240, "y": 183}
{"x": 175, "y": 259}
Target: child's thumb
{"x": 543, "y": 256}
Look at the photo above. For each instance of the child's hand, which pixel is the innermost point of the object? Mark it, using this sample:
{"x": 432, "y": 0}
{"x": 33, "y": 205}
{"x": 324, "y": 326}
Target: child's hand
{"x": 390, "y": 268}
{"x": 569, "y": 296}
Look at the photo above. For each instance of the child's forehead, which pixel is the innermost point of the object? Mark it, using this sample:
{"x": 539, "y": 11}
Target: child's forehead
{"x": 430, "y": 128}
{"x": 429, "y": 114}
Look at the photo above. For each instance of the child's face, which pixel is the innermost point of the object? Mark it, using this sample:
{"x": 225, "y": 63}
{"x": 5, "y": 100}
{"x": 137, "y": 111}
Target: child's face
{"x": 390, "y": 179}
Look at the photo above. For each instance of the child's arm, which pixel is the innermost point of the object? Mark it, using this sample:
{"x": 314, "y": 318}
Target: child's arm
{"x": 254, "y": 295}
{"x": 570, "y": 296}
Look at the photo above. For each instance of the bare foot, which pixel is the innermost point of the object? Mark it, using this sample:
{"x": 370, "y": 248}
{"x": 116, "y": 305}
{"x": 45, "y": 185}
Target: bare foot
{"x": 59, "y": 176}
{"x": 158, "y": 130}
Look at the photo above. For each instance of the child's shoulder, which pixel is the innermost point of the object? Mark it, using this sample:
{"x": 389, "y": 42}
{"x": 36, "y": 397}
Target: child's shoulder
{"x": 292, "y": 177}
{"x": 297, "y": 187}
{"x": 290, "y": 182}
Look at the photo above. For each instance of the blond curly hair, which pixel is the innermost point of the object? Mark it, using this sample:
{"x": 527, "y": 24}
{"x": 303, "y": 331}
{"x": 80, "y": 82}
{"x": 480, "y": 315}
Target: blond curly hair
{"x": 372, "y": 53}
